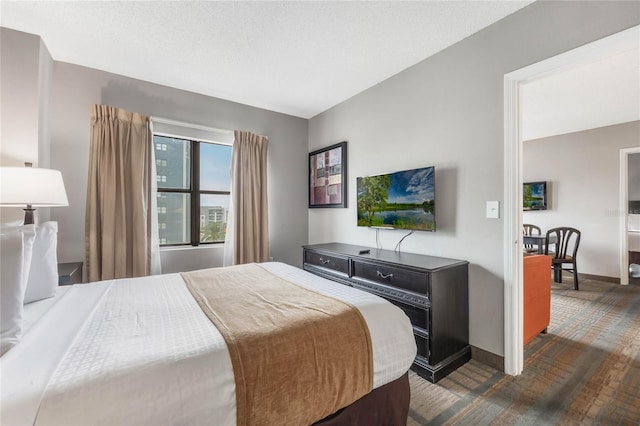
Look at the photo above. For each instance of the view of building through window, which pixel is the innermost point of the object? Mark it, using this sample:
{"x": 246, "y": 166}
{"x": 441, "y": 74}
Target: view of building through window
{"x": 180, "y": 192}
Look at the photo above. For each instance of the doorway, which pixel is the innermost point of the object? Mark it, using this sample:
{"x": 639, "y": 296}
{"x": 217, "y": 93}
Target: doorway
{"x": 625, "y": 156}
{"x": 513, "y": 294}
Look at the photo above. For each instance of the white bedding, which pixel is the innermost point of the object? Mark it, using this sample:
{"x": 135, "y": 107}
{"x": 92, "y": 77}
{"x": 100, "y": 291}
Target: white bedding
{"x": 140, "y": 351}
{"x": 634, "y": 232}
{"x": 634, "y": 240}
{"x": 34, "y": 310}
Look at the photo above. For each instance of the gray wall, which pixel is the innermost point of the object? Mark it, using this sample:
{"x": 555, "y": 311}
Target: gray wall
{"x": 45, "y": 120}
{"x": 582, "y": 171}
{"x": 75, "y": 88}
{"x": 447, "y": 111}
{"x": 25, "y": 78}
{"x": 20, "y": 71}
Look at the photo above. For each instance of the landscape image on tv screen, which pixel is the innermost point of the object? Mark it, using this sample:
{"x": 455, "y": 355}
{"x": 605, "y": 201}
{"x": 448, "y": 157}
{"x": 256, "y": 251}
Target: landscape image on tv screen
{"x": 400, "y": 200}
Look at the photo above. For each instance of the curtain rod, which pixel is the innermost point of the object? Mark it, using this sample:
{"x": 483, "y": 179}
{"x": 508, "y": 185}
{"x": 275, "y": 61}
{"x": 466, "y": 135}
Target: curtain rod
{"x": 191, "y": 125}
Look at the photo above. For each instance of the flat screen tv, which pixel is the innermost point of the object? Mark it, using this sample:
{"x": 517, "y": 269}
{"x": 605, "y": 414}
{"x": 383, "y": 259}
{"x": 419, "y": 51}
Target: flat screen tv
{"x": 399, "y": 200}
{"x": 534, "y": 196}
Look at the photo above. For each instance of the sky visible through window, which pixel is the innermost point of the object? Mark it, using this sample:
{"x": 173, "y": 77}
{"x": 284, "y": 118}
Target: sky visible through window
{"x": 215, "y": 174}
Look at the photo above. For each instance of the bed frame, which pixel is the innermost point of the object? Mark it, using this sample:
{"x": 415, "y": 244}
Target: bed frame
{"x": 386, "y": 405}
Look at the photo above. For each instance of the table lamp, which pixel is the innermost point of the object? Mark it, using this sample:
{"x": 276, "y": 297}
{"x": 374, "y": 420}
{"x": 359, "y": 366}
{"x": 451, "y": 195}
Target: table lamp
{"x": 31, "y": 187}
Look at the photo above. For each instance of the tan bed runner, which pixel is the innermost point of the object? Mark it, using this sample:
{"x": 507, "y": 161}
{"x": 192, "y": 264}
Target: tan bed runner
{"x": 297, "y": 355}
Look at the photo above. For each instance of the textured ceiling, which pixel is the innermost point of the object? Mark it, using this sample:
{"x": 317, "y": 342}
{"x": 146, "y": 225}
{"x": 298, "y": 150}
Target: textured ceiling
{"x": 299, "y": 58}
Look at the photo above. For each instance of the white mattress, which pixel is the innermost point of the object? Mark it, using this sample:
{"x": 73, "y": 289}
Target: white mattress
{"x": 34, "y": 310}
{"x": 634, "y": 232}
{"x": 140, "y": 351}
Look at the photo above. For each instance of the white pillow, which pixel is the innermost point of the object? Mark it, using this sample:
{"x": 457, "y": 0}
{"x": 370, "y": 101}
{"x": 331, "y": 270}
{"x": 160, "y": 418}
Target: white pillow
{"x": 43, "y": 273}
{"x": 15, "y": 257}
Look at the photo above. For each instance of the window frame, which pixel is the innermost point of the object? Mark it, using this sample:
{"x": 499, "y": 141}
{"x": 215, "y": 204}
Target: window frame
{"x": 194, "y": 190}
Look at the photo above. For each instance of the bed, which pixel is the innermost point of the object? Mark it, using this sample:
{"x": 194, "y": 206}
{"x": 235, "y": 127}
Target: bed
{"x": 142, "y": 351}
{"x": 633, "y": 234}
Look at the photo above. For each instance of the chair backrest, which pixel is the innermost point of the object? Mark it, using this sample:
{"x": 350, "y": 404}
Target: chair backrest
{"x": 528, "y": 229}
{"x": 567, "y": 242}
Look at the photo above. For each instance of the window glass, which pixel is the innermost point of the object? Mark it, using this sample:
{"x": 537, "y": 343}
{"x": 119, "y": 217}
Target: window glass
{"x": 174, "y": 218}
{"x": 215, "y": 172}
{"x": 173, "y": 160}
{"x": 181, "y": 192}
{"x": 214, "y": 210}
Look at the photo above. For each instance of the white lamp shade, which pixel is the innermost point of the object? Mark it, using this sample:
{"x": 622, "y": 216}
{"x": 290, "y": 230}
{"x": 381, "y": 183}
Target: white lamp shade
{"x": 21, "y": 186}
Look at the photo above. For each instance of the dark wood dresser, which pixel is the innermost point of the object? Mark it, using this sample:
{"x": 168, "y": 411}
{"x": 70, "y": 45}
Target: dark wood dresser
{"x": 432, "y": 291}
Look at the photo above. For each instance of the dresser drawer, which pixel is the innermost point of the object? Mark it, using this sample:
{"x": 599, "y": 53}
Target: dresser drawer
{"x": 418, "y": 317}
{"x": 423, "y": 345}
{"x": 389, "y": 275}
{"x": 335, "y": 263}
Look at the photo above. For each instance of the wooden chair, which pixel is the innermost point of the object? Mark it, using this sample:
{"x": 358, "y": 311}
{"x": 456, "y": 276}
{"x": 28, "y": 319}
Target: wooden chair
{"x": 567, "y": 242}
{"x": 528, "y": 229}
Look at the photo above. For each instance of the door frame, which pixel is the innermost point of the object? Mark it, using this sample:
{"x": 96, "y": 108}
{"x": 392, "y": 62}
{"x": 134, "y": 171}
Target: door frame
{"x": 513, "y": 292}
{"x": 624, "y": 212}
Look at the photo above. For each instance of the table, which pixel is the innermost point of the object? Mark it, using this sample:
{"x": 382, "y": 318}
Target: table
{"x": 539, "y": 241}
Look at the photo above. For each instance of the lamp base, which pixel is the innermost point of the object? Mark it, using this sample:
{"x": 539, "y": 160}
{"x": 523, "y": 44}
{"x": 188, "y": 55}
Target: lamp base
{"x": 28, "y": 215}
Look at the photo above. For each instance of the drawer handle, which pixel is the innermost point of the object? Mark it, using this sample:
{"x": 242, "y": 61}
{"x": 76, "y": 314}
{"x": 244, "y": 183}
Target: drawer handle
{"x": 324, "y": 262}
{"x": 383, "y": 276}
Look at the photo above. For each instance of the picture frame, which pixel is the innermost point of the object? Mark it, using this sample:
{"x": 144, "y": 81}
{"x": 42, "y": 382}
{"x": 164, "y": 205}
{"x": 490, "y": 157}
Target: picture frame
{"x": 328, "y": 177}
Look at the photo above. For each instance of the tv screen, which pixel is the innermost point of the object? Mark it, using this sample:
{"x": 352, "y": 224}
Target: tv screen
{"x": 534, "y": 196}
{"x": 400, "y": 200}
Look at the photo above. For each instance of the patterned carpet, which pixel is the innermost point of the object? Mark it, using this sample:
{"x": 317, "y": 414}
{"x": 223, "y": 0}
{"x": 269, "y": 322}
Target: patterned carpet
{"x": 585, "y": 371}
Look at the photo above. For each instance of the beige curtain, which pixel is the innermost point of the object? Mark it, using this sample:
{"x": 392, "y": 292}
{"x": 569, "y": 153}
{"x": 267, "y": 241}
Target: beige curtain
{"x": 119, "y": 213}
{"x": 247, "y": 238}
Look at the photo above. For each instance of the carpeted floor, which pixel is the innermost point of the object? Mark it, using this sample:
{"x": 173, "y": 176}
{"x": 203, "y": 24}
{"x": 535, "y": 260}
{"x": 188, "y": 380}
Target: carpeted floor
{"x": 585, "y": 371}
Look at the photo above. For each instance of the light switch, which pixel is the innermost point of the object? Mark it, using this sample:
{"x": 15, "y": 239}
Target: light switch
{"x": 493, "y": 209}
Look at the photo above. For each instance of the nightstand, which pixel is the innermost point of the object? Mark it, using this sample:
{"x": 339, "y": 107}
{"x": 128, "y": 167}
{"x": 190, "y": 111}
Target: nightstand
{"x": 69, "y": 273}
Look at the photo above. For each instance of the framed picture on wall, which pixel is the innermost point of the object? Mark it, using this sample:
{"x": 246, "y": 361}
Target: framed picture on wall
{"x": 328, "y": 177}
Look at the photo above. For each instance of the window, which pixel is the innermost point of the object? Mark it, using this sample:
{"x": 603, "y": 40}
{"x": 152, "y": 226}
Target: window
{"x": 193, "y": 190}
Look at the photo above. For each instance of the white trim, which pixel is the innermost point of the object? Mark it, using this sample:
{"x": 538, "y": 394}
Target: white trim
{"x": 513, "y": 295}
{"x": 624, "y": 213}
{"x": 170, "y": 135}
{"x": 513, "y": 308}
{"x": 190, "y": 125}
{"x": 592, "y": 52}
{"x": 206, "y": 246}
